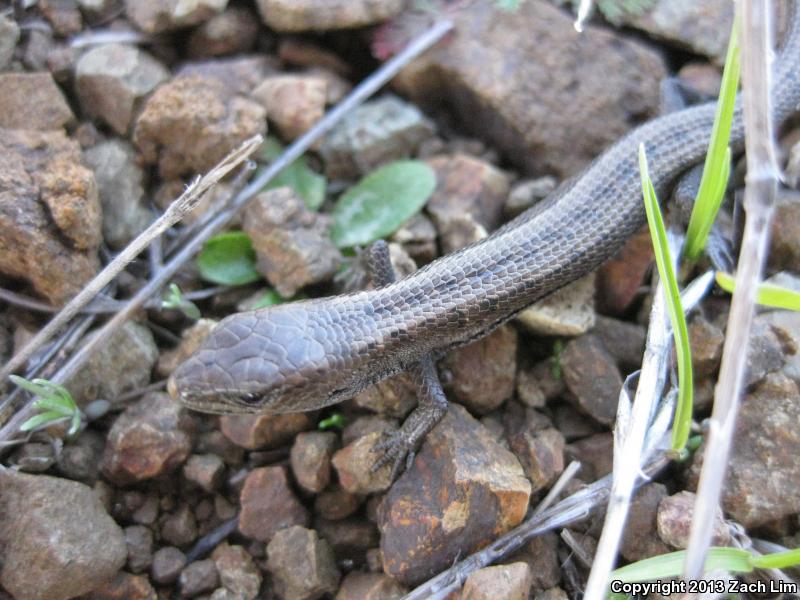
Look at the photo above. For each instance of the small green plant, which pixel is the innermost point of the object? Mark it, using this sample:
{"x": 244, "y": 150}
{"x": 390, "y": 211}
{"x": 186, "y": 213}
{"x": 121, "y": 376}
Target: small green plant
{"x": 682, "y": 422}
{"x": 228, "y": 259}
{"x": 767, "y": 294}
{"x": 508, "y": 5}
{"x": 335, "y": 421}
{"x": 555, "y": 360}
{"x": 54, "y": 405}
{"x": 307, "y": 184}
{"x": 269, "y": 298}
{"x": 174, "y": 300}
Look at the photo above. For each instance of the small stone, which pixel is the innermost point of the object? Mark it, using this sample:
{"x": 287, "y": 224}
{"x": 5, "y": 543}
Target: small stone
{"x": 540, "y": 449}
{"x": 418, "y": 237}
{"x": 122, "y": 364}
{"x": 198, "y": 577}
{"x": 139, "y": 540}
{"x": 310, "y": 459}
{"x": 764, "y": 352}
{"x": 553, "y": 593}
{"x": 354, "y": 462}
{"x": 641, "y": 539}
{"x": 58, "y": 541}
{"x": 623, "y": 340}
{"x": 784, "y": 253}
{"x": 619, "y": 279}
{"x": 309, "y": 15}
{"x": 538, "y": 384}
{"x": 264, "y": 432}
{"x": 706, "y": 341}
{"x": 573, "y": 424}
{"x": 237, "y": 572}
{"x": 366, "y": 424}
{"x": 32, "y": 101}
{"x": 786, "y": 325}
{"x": 80, "y": 459}
{"x": 301, "y": 52}
{"x": 63, "y": 15}
{"x": 375, "y": 133}
{"x": 369, "y": 586}
{"x": 268, "y": 504}
{"x": 466, "y": 188}
{"x": 568, "y": 311}
{"x": 191, "y": 122}
{"x": 169, "y": 15}
{"x": 302, "y": 566}
{"x": 191, "y": 338}
{"x": 463, "y": 491}
{"x": 120, "y": 182}
{"x": 292, "y": 244}
{"x": 230, "y": 32}
{"x": 112, "y": 80}
{"x": 701, "y": 77}
{"x": 595, "y": 454}
{"x": 592, "y": 376}
{"x": 151, "y": 438}
{"x": 541, "y": 555}
{"x": 239, "y": 74}
{"x": 481, "y": 374}
{"x": 294, "y": 102}
{"x": 205, "y": 470}
{"x": 180, "y": 528}
{"x": 349, "y": 538}
{"x": 395, "y": 396}
{"x": 675, "y": 521}
{"x": 33, "y": 457}
{"x": 9, "y": 36}
{"x": 336, "y": 503}
{"x": 511, "y": 582}
{"x": 526, "y": 193}
{"x": 124, "y": 587}
{"x": 147, "y": 513}
{"x": 215, "y": 442}
{"x": 168, "y": 562}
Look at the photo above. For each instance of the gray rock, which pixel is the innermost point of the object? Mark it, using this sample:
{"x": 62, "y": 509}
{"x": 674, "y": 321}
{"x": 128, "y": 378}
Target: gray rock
{"x": 395, "y": 396}
{"x": 198, "y": 577}
{"x": 541, "y": 555}
{"x": 524, "y": 194}
{"x": 369, "y": 586}
{"x": 230, "y": 32}
{"x": 302, "y": 566}
{"x": 180, "y": 528}
{"x": 418, "y": 237}
{"x": 323, "y": 15}
{"x": 239, "y": 74}
{"x": 155, "y": 16}
{"x": 139, "y": 540}
{"x": 624, "y": 340}
{"x": 294, "y": 102}
{"x": 9, "y": 36}
{"x": 512, "y": 582}
{"x": 120, "y": 182}
{"x": 80, "y": 458}
{"x": 238, "y": 573}
{"x": 641, "y": 538}
{"x": 32, "y": 101}
{"x": 674, "y": 521}
{"x": 569, "y": 311}
{"x": 375, "y": 133}
{"x": 786, "y": 325}
{"x": 58, "y": 541}
{"x": 205, "y": 471}
{"x": 34, "y": 457}
{"x": 168, "y": 562}
{"x": 539, "y": 447}
{"x": 764, "y": 352}
{"x": 310, "y": 459}
{"x": 784, "y": 251}
{"x": 112, "y": 80}
{"x": 592, "y": 376}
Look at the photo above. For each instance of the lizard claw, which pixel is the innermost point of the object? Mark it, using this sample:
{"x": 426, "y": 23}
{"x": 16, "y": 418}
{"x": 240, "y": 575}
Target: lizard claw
{"x": 395, "y": 449}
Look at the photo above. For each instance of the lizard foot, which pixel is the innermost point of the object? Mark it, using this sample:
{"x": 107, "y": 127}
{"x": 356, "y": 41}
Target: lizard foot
{"x": 396, "y": 449}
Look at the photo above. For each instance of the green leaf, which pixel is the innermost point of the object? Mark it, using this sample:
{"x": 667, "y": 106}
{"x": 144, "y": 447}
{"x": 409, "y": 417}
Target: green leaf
{"x": 307, "y": 184}
{"x": 270, "y": 298}
{"x": 682, "y": 422}
{"x": 768, "y": 294}
{"x": 718, "y": 158}
{"x": 40, "y": 420}
{"x": 31, "y": 386}
{"x": 508, "y": 5}
{"x": 670, "y": 565}
{"x": 335, "y": 421}
{"x": 381, "y": 202}
{"x": 55, "y": 404}
{"x": 228, "y": 259}
{"x": 778, "y": 560}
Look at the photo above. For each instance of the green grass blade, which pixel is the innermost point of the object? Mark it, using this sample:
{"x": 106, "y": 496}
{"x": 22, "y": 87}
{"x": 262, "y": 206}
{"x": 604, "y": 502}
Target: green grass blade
{"x": 767, "y": 295}
{"x": 718, "y": 158}
{"x": 778, "y": 560}
{"x": 41, "y": 419}
{"x": 681, "y": 425}
{"x": 670, "y": 565}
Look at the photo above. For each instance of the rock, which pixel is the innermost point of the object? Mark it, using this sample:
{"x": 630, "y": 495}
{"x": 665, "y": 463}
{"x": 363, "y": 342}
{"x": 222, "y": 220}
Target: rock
{"x": 524, "y": 194}
{"x": 147, "y": 513}
{"x": 32, "y": 101}
{"x": 230, "y": 32}
{"x": 336, "y": 503}
{"x": 311, "y": 459}
{"x": 369, "y": 586}
{"x": 311, "y": 15}
{"x": 468, "y": 199}
{"x": 139, "y": 540}
{"x": 122, "y": 364}
{"x": 349, "y": 538}
{"x": 302, "y": 566}
{"x": 155, "y": 17}
{"x": 784, "y": 253}
{"x": 539, "y": 448}
{"x": 215, "y": 442}
{"x": 640, "y": 539}
{"x": 180, "y": 527}
{"x": 706, "y": 341}
{"x": 120, "y": 182}
{"x": 292, "y": 244}
{"x": 124, "y": 587}
{"x": 463, "y": 491}
{"x": 264, "y": 432}
{"x": 568, "y": 311}
{"x": 592, "y": 377}
{"x": 198, "y": 577}
{"x": 372, "y": 134}
{"x": 510, "y": 74}
{"x": 191, "y": 338}
{"x": 238, "y": 74}
{"x": 58, "y": 541}
{"x": 190, "y": 123}
{"x": 701, "y": 77}
{"x": 33, "y": 457}
{"x": 268, "y": 504}
{"x": 418, "y": 237}
{"x": 354, "y": 462}
{"x": 538, "y": 384}
{"x": 294, "y": 102}
{"x": 63, "y": 15}
{"x": 701, "y": 28}
{"x": 786, "y": 325}
{"x": 619, "y": 279}
{"x": 554, "y": 593}
{"x": 595, "y": 454}
{"x": 168, "y": 562}
{"x": 573, "y": 424}
{"x": 623, "y": 340}
{"x": 511, "y": 582}
{"x": 481, "y": 375}
{"x": 152, "y": 437}
{"x": 541, "y": 555}
{"x": 237, "y": 572}
{"x": 113, "y": 80}
{"x": 393, "y": 397}
{"x": 9, "y": 36}
{"x": 675, "y": 521}
{"x": 763, "y": 481}
{"x": 49, "y": 213}
{"x": 302, "y": 52}
{"x": 764, "y": 352}
{"x": 80, "y": 459}
{"x": 205, "y": 470}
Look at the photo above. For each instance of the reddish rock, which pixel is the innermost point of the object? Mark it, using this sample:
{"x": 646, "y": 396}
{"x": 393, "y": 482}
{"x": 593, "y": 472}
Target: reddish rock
{"x": 540, "y": 450}
{"x": 674, "y": 521}
{"x": 32, "y": 101}
{"x": 706, "y": 341}
{"x": 620, "y": 278}
{"x": 784, "y": 253}
{"x": 592, "y": 377}
{"x": 306, "y": 15}
{"x": 198, "y": 577}
{"x": 350, "y": 538}
{"x": 180, "y": 527}
{"x": 124, "y": 587}
{"x": 238, "y": 75}
{"x": 538, "y": 384}
{"x": 268, "y": 504}
{"x": 463, "y": 491}
{"x": 155, "y": 17}
{"x": 264, "y": 432}
{"x": 191, "y": 338}
{"x": 294, "y": 102}
{"x": 230, "y": 32}
{"x": 302, "y": 566}
{"x": 394, "y": 397}
{"x": 168, "y": 562}
{"x": 595, "y": 454}
{"x": 238, "y": 573}
{"x": 311, "y": 459}
{"x": 204, "y": 470}
{"x": 369, "y": 586}
{"x": 541, "y": 555}
{"x": 641, "y": 539}
{"x": 152, "y": 437}
{"x": 623, "y": 340}
{"x": 336, "y": 503}
{"x": 510, "y": 582}
{"x": 354, "y": 462}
